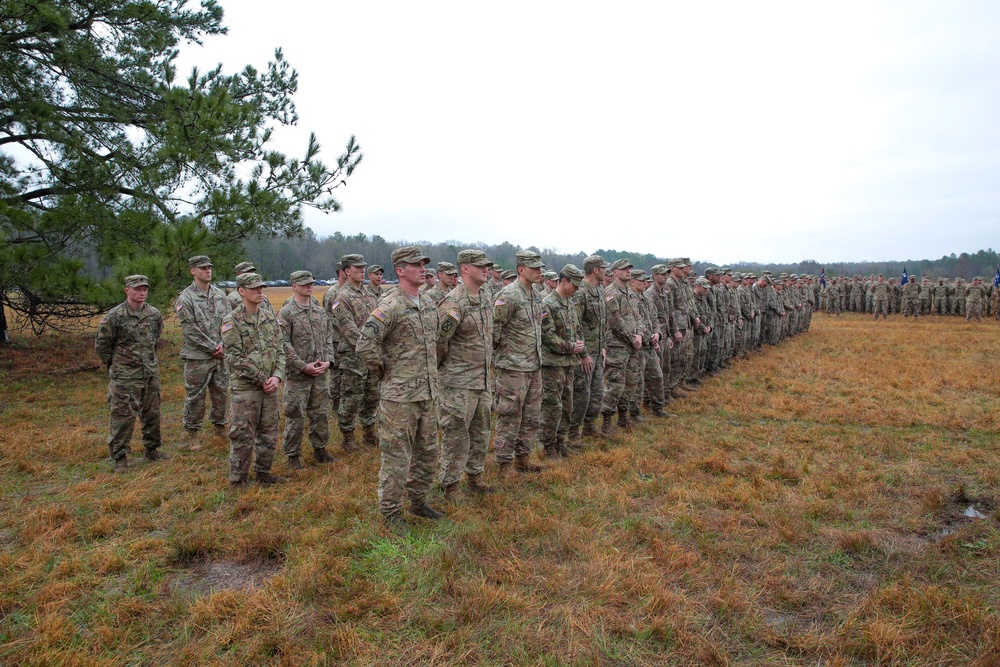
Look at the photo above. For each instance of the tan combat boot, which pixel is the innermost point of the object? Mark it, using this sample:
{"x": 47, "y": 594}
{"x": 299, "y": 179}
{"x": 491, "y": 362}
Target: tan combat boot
{"x": 477, "y": 487}
{"x": 368, "y": 438}
{"x": 608, "y": 429}
{"x": 349, "y": 445}
{"x": 190, "y": 441}
{"x": 573, "y": 442}
{"x": 451, "y": 492}
{"x": 588, "y": 429}
{"x": 522, "y": 464}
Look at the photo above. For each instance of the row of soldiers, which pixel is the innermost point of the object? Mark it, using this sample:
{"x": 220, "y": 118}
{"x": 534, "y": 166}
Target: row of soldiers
{"x": 925, "y": 297}
{"x": 549, "y": 354}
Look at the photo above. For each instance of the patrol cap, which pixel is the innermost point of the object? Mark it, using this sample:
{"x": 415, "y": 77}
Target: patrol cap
{"x": 726, "y": 271}
{"x": 550, "y": 275}
{"x": 409, "y": 254}
{"x": 702, "y": 281}
{"x": 620, "y": 264}
{"x": 530, "y": 259}
{"x": 659, "y": 270}
{"x": 447, "y": 267}
{"x": 301, "y": 278}
{"x": 249, "y": 280}
{"x": 678, "y": 263}
{"x": 595, "y": 262}
{"x": 429, "y": 273}
{"x": 375, "y": 268}
{"x": 572, "y": 274}
{"x": 712, "y": 271}
{"x": 199, "y": 261}
{"x": 794, "y": 276}
{"x": 353, "y": 260}
{"x": 497, "y": 266}
{"x": 637, "y": 274}
{"x": 649, "y": 279}
{"x": 245, "y": 267}
{"x": 136, "y": 281}
{"x": 474, "y": 257}
{"x": 508, "y": 274}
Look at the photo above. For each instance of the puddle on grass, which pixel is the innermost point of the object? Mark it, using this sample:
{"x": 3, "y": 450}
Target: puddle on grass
{"x": 209, "y": 578}
{"x": 973, "y": 513}
{"x": 961, "y": 511}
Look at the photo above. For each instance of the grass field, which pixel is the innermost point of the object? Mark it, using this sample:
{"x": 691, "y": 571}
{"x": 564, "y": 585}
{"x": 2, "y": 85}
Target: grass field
{"x": 807, "y": 507}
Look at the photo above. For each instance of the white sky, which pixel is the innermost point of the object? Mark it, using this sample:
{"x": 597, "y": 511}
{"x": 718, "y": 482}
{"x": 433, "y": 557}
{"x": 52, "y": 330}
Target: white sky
{"x": 723, "y": 131}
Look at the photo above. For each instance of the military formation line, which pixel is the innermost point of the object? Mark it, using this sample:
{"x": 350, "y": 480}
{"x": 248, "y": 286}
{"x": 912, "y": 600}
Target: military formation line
{"x": 877, "y": 296}
{"x": 560, "y": 358}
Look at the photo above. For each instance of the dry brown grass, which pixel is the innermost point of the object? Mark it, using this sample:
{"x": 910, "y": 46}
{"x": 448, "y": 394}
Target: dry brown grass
{"x": 805, "y": 508}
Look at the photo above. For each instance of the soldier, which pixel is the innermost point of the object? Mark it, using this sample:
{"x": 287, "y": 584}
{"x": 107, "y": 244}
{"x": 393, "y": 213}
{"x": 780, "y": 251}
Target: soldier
{"x": 517, "y": 341}
{"x": 660, "y": 312}
{"x": 621, "y": 365}
{"x": 307, "y": 333}
{"x": 975, "y": 297}
{"x": 358, "y": 388}
{"x": 255, "y": 355}
{"x": 465, "y": 351}
{"x": 588, "y": 380}
{"x": 398, "y": 345}
{"x": 649, "y": 389}
{"x": 200, "y": 309}
{"x": 126, "y": 345}
{"x": 447, "y": 276}
{"x": 911, "y": 299}
{"x": 374, "y": 286}
{"x": 508, "y": 277}
{"x": 881, "y": 292}
{"x": 329, "y": 298}
{"x": 549, "y": 281}
{"x": 562, "y": 351}
{"x": 940, "y": 298}
{"x": 430, "y": 280}
{"x": 234, "y": 296}
{"x": 495, "y": 283}
{"x": 961, "y": 291}
{"x": 683, "y": 350}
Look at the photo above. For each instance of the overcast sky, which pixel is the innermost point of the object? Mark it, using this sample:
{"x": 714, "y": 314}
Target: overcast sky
{"x": 723, "y": 131}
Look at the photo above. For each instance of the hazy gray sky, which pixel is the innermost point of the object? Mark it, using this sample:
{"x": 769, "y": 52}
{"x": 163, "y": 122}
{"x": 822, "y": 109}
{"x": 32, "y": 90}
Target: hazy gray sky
{"x": 725, "y": 131}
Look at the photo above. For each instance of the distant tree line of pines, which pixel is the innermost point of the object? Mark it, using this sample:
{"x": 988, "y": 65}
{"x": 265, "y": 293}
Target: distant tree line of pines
{"x": 278, "y": 256}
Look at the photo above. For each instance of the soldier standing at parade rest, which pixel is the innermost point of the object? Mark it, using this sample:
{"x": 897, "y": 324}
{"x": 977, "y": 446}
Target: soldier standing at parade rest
{"x": 374, "y": 286}
{"x": 447, "y": 276}
{"x": 358, "y": 387}
{"x": 329, "y": 298}
{"x": 975, "y": 297}
{"x": 621, "y": 371}
{"x": 562, "y": 351}
{"x": 517, "y": 342}
{"x": 430, "y": 280}
{"x": 200, "y": 309}
{"x": 255, "y": 355}
{"x": 398, "y": 345}
{"x": 126, "y": 345}
{"x": 307, "y": 334}
{"x": 465, "y": 351}
{"x": 234, "y": 296}
{"x": 588, "y": 382}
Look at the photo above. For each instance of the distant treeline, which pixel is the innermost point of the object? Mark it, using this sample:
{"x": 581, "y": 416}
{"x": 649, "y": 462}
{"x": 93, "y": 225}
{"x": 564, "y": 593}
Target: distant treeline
{"x": 279, "y": 256}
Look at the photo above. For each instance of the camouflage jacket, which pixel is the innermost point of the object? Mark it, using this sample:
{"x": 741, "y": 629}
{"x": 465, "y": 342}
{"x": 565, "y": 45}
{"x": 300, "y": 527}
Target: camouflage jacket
{"x": 559, "y": 331}
{"x": 398, "y": 344}
{"x": 975, "y": 293}
{"x": 350, "y": 309}
{"x": 254, "y": 348}
{"x": 623, "y": 322}
{"x": 465, "y": 339}
{"x": 592, "y": 316}
{"x": 647, "y": 318}
{"x": 911, "y": 290}
{"x": 235, "y": 301}
{"x": 881, "y": 290}
{"x": 680, "y": 303}
{"x": 201, "y": 316}
{"x": 517, "y": 328}
{"x": 660, "y": 313}
{"x": 436, "y": 293}
{"x": 307, "y": 333}
{"x": 126, "y": 342}
{"x": 376, "y": 293}
{"x": 329, "y": 297}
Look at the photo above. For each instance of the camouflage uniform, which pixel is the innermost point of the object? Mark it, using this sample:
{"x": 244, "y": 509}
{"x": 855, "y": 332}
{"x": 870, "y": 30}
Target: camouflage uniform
{"x": 621, "y": 372}
{"x": 683, "y": 351}
{"x": 465, "y": 347}
{"x": 592, "y": 316}
{"x": 200, "y": 314}
{"x": 397, "y": 344}
{"x": 254, "y": 353}
{"x": 663, "y": 324}
{"x": 881, "y": 295}
{"x": 560, "y": 331}
{"x": 911, "y": 299}
{"x": 329, "y": 298}
{"x": 517, "y": 341}
{"x": 940, "y": 292}
{"x": 126, "y": 345}
{"x": 975, "y": 296}
{"x": 358, "y": 388}
{"x": 307, "y": 334}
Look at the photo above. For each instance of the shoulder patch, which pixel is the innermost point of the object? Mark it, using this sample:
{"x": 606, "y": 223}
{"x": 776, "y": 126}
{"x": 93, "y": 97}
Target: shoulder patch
{"x": 105, "y": 318}
{"x": 335, "y": 304}
{"x": 226, "y": 326}
{"x": 499, "y": 302}
{"x": 178, "y": 306}
{"x": 545, "y": 312}
{"x": 379, "y": 315}
{"x": 281, "y": 322}
{"x": 609, "y": 296}
{"x": 454, "y": 314}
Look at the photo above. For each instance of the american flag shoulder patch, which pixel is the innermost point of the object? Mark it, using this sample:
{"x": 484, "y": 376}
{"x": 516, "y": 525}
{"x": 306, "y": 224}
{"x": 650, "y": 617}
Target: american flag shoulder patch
{"x": 226, "y": 326}
{"x": 610, "y": 296}
{"x": 334, "y": 306}
{"x": 454, "y": 314}
{"x": 500, "y": 302}
{"x": 379, "y": 315}
{"x": 178, "y": 306}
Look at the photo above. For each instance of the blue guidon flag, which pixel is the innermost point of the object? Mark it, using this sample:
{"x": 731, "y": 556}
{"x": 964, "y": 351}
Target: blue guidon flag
{"x": 822, "y": 276}
{"x": 905, "y": 277}
{"x": 996, "y": 278}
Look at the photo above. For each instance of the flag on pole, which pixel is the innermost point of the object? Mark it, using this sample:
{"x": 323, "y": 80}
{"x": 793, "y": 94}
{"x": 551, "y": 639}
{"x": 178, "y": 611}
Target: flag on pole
{"x": 996, "y": 278}
{"x": 905, "y": 277}
{"x": 822, "y": 276}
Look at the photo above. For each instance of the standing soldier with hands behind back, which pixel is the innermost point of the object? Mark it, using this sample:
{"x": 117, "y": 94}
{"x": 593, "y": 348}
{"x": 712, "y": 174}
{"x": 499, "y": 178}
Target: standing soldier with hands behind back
{"x": 200, "y": 309}
{"x": 308, "y": 339}
{"x": 126, "y": 344}
{"x": 256, "y": 359}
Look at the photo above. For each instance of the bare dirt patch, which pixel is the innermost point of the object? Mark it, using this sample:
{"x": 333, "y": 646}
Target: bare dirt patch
{"x": 224, "y": 575}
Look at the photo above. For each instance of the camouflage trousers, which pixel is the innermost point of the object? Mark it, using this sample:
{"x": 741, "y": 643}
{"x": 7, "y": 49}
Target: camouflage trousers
{"x": 974, "y": 309}
{"x": 635, "y": 405}
{"x": 409, "y": 452}
{"x": 201, "y": 377}
{"x": 680, "y": 358}
{"x": 730, "y": 341}
{"x": 960, "y": 306}
{"x": 925, "y": 306}
{"x": 742, "y": 340}
{"x": 881, "y": 308}
{"x": 557, "y": 404}
{"x": 940, "y": 306}
{"x": 713, "y": 353}
{"x": 334, "y": 380}
{"x": 755, "y": 340}
{"x": 253, "y": 430}
{"x": 358, "y": 399}
{"x": 465, "y": 432}
{"x": 911, "y": 307}
{"x": 309, "y": 397}
{"x": 620, "y": 382}
{"x": 652, "y": 379}
{"x": 588, "y": 394}
{"x": 519, "y": 412}
{"x": 129, "y": 400}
